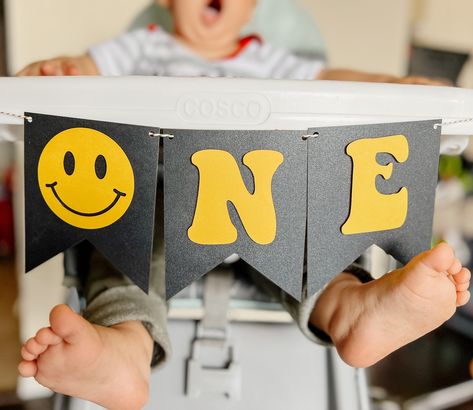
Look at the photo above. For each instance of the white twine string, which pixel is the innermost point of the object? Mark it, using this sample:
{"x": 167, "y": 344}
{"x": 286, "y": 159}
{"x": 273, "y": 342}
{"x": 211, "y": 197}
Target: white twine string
{"x": 170, "y": 136}
{"x": 159, "y": 135}
{"x": 21, "y": 116}
{"x": 443, "y": 124}
{"x": 307, "y": 136}
{"x": 7, "y": 137}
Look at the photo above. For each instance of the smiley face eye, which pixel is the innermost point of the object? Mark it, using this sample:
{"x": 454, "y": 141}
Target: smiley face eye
{"x": 100, "y": 167}
{"x": 69, "y": 163}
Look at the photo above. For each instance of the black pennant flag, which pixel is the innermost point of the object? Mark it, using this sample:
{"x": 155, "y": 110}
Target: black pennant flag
{"x": 235, "y": 192}
{"x": 369, "y": 184}
{"x": 94, "y": 181}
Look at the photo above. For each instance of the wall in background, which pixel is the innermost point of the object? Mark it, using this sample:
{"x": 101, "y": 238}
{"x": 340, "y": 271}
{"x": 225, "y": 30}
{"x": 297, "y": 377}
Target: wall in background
{"x": 52, "y": 36}
{"x": 369, "y": 35}
{"x": 6, "y": 149}
{"x": 446, "y": 25}
{"x": 2, "y": 40}
{"x": 375, "y": 35}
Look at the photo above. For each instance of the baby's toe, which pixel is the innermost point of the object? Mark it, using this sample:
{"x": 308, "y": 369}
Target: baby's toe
{"x": 461, "y": 287}
{"x": 27, "y": 368}
{"x": 455, "y": 267}
{"x": 463, "y": 276}
{"x": 27, "y": 355}
{"x": 46, "y": 336}
{"x": 463, "y": 298}
{"x": 440, "y": 258}
{"x": 33, "y": 347}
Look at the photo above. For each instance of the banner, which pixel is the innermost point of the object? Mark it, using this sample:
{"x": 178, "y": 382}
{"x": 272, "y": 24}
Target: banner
{"x": 369, "y": 184}
{"x": 277, "y": 199}
{"x": 235, "y": 192}
{"x": 94, "y": 181}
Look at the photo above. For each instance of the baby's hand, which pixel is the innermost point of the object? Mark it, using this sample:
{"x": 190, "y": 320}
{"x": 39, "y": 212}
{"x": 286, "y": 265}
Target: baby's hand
{"x": 351, "y": 75}
{"x": 422, "y": 81}
{"x": 80, "y": 65}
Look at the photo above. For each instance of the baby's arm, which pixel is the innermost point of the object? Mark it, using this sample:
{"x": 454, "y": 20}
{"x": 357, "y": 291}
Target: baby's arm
{"x": 351, "y": 75}
{"x": 79, "y": 65}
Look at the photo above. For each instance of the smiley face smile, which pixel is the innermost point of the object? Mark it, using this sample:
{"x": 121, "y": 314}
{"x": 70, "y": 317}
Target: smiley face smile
{"x": 119, "y": 194}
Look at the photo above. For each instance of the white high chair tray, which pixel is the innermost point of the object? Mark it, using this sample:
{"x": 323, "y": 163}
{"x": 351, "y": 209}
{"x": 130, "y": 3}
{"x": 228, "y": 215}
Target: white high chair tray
{"x": 235, "y": 103}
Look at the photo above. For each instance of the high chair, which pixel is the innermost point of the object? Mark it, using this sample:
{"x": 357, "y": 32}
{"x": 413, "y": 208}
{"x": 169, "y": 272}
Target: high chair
{"x": 50, "y": 97}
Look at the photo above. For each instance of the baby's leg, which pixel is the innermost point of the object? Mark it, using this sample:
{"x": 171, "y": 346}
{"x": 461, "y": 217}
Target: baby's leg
{"x": 107, "y": 365}
{"x": 368, "y": 321}
{"x": 108, "y": 360}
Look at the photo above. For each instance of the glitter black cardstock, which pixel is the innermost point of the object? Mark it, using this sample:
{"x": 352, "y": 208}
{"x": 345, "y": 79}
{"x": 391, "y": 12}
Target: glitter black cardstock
{"x": 280, "y": 261}
{"x": 54, "y": 224}
{"x": 329, "y": 195}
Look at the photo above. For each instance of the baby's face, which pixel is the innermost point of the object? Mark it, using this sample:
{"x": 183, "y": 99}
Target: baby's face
{"x": 209, "y": 21}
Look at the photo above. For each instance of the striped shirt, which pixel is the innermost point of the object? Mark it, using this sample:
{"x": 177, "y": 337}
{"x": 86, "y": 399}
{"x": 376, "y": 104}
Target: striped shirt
{"x": 152, "y": 51}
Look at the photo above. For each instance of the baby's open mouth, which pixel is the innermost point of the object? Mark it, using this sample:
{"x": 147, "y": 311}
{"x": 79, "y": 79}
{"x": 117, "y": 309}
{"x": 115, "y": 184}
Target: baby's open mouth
{"x": 212, "y": 11}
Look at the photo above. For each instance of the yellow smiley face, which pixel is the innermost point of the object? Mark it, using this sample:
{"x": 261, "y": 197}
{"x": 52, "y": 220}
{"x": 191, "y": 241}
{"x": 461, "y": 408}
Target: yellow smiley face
{"x": 86, "y": 178}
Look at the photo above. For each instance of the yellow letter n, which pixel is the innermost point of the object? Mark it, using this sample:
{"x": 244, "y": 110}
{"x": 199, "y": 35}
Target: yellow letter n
{"x": 370, "y": 210}
{"x": 220, "y": 182}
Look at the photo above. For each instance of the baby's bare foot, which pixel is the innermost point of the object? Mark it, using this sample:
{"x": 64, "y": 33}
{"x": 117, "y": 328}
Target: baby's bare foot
{"x": 108, "y": 366}
{"x": 379, "y": 317}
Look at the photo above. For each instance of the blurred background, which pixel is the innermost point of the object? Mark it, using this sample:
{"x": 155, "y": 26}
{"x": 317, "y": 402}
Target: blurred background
{"x": 421, "y": 37}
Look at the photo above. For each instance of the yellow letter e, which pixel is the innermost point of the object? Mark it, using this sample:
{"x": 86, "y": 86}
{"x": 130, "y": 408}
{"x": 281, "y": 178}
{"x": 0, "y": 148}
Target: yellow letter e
{"x": 370, "y": 210}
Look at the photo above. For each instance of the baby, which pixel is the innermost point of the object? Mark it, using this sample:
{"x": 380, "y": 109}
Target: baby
{"x": 106, "y": 359}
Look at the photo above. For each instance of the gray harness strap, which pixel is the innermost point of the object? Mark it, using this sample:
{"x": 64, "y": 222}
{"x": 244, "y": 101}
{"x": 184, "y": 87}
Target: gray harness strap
{"x": 213, "y": 341}
{"x": 217, "y": 288}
